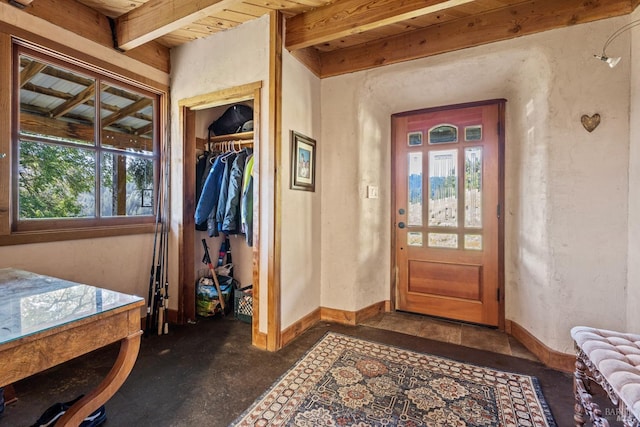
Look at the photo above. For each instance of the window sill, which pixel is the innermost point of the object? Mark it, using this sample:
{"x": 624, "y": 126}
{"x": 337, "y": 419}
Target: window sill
{"x": 26, "y": 237}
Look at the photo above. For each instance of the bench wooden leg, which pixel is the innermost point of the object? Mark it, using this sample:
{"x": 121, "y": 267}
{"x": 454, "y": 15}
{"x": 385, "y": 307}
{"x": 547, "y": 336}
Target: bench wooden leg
{"x": 584, "y": 404}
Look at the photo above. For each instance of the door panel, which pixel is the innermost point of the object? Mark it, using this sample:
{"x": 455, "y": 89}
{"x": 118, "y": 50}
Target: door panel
{"x": 447, "y": 186}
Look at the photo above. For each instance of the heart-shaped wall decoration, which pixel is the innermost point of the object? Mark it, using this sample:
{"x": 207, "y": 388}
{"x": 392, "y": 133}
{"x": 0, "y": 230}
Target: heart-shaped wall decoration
{"x": 590, "y": 123}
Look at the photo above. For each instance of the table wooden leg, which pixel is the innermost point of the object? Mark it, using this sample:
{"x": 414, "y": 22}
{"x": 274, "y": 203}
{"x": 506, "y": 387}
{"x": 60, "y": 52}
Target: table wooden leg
{"x": 129, "y": 348}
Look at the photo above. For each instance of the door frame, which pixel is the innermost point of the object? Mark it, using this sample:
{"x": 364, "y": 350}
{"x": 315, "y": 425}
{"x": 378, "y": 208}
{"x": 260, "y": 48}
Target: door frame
{"x": 501, "y": 104}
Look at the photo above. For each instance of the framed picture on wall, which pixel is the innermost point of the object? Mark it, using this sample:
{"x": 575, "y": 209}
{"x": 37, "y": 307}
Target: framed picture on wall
{"x": 303, "y": 162}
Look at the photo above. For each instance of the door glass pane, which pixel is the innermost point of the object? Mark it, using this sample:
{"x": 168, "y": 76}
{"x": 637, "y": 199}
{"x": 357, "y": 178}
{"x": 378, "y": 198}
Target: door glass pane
{"x": 473, "y": 133}
{"x": 414, "y": 139}
{"x": 443, "y": 240}
{"x": 473, "y": 187}
{"x": 473, "y": 241}
{"x": 443, "y": 188}
{"x": 414, "y": 238}
{"x": 415, "y": 190}
{"x": 443, "y": 134}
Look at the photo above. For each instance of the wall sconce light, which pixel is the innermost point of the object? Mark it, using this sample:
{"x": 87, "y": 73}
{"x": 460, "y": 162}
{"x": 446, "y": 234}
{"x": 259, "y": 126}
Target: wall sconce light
{"x": 613, "y": 61}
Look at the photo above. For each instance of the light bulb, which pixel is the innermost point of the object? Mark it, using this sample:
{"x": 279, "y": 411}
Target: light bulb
{"x": 611, "y": 61}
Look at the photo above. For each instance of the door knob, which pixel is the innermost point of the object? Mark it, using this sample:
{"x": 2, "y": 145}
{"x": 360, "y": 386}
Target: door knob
{"x": 401, "y": 225}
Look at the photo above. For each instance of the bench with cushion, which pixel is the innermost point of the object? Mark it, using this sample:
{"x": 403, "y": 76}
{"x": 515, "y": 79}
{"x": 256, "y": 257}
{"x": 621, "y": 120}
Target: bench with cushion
{"x": 612, "y": 359}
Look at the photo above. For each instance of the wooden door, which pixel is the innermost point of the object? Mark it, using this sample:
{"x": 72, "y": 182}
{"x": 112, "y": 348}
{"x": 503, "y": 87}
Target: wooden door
{"x": 447, "y": 211}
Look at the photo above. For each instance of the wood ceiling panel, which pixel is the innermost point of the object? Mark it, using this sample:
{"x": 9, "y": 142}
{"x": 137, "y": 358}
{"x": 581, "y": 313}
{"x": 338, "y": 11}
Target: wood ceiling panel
{"x": 232, "y": 15}
{"x": 368, "y": 36}
{"x": 251, "y": 10}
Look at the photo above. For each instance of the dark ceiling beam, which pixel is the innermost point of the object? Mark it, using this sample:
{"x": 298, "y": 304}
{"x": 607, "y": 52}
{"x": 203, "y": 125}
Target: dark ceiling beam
{"x": 78, "y": 99}
{"x": 30, "y": 71}
{"x": 126, "y": 111}
{"x": 85, "y": 132}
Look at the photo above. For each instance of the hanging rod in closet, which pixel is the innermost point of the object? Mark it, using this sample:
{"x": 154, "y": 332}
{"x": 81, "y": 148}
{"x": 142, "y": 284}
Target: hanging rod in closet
{"x": 245, "y": 138}
{"x": 232, "y": 137}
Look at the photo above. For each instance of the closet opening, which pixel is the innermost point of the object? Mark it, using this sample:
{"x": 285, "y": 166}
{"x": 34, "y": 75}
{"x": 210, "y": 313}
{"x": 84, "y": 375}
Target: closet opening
{"x": 229, "y": 207}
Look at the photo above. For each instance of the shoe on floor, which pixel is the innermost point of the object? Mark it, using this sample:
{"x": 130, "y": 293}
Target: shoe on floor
{"x": 57, "y": 410}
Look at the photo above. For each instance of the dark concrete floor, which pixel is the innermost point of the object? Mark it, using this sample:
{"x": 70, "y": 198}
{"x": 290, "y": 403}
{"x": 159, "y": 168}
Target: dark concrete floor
{"x": 207, "y": 374}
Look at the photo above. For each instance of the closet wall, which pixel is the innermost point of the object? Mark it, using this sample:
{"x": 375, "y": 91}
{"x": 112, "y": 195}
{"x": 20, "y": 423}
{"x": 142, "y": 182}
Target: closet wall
{"x": 242, "y": 253}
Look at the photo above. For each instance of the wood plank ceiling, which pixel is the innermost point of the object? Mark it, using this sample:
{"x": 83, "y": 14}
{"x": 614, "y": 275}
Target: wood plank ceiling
{"x": 343, "y": 36}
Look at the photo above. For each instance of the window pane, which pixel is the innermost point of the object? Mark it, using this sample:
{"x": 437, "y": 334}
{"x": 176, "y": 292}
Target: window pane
{"x": 127, "y": 120}
{"x": 126, "y": 184}
{"x": 55, "y": 103}
{"x": 443, "y": 188}
{"x": 87, "y": 145}
{"x": 415, "y": 190}
{"x": 473, "y": 187}
{"x": 55, "y": 181}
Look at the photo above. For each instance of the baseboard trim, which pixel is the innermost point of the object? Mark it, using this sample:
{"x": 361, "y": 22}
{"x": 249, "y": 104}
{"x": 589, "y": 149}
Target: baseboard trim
{"x": 551, "y": 358}
{"x": 325, "y": 314}
{"x": 352, "y": 317}
{"x": 295, "y": 330}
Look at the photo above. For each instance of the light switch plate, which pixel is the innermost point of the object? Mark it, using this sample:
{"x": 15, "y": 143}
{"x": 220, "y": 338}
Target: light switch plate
{"x": 372, "y": 191}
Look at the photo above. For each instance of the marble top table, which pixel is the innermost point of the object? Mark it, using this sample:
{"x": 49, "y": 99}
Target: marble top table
{"x": 45, "y": 321}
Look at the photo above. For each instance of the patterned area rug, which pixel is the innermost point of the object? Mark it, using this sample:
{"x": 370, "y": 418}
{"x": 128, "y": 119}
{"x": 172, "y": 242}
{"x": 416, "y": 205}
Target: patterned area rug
{"x": 346, "y": 381}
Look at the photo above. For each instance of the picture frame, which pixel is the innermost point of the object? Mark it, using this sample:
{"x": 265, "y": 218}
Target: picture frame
{"x": 303, "y": 162}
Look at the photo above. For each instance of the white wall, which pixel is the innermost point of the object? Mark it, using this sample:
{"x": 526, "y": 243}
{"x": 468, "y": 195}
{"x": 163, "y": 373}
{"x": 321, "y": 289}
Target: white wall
{"x": 230, "y": 58}
{"x": 633, "y": 278}
{"x": 118, "y": 263}
{"x": 566, "y": 189}
{"x": 300, "y": 283}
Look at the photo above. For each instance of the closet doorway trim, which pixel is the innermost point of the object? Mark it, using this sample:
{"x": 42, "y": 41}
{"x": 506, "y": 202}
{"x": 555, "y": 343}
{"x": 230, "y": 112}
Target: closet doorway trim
{"x": 186, "y": 235}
